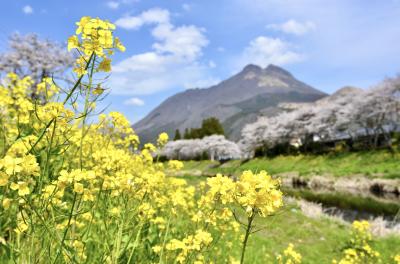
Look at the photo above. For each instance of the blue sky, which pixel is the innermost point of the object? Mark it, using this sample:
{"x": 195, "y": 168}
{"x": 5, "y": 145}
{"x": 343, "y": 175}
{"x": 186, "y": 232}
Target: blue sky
{"x": 178, "y": 44}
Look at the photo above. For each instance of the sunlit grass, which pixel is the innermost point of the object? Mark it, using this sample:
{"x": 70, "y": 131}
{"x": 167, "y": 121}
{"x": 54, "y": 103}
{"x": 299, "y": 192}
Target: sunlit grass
{"x": 370, "y": 164}
{"x": 318, "y": 240}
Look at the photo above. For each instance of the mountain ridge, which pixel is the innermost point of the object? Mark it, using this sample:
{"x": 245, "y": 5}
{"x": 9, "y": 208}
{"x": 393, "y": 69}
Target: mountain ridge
{"x": 236, "y": 101}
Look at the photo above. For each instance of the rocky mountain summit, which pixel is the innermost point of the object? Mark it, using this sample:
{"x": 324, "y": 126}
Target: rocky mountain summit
{"x": 236, "y": 102}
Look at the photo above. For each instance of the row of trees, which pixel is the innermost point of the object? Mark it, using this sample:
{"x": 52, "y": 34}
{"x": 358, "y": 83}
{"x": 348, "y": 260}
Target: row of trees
{"x": 214, "y": 147}
{"x": 351, "y": 117}
{"x": 209, "y": 126}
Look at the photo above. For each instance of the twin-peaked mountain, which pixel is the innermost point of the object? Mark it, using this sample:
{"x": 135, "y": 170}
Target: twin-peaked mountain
{"x": 236, "y": 102}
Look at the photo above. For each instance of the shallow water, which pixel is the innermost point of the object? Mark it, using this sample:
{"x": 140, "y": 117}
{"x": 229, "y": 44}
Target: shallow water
{"x": 350, "y": 207}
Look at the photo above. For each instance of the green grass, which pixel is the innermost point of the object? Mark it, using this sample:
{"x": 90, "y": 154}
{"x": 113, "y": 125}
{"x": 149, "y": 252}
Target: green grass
{"x": 346, "y": 201}
{"x": 199, "y": 165}
{"x": 318, "y": 240}
{"x": 370, "y": 164}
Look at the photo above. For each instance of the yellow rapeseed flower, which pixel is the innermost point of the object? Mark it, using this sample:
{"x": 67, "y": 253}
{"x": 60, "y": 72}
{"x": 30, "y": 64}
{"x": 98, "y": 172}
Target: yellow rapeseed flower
{"x": 259, "y": 193}
{"x": 22, "y": 188}
{"x": 73, "y": 43}
{"x": 78, "y": 187}
{"x": 11, "y": 165}
{"x": 162, "y": 139}
{"x": 6, "y": 203}
{"x": 4, "y": 178}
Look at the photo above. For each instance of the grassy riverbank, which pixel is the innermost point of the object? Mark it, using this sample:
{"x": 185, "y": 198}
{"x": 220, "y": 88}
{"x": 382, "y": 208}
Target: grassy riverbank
{"x": 373, "y": 164}
{"x": 318, "y": 240}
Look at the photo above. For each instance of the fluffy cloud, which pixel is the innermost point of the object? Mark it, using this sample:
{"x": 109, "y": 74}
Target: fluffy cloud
{"x": 293, "y": 27}
{"x": 172, "y": 62}
{"x": 27, "y": 9}
{"x": 265, "y": 50}
{"x": 151, "y": 16}
{"x": 150, "y": 72}
{"x": 113, "y": 4}
{"x": 184, "y": 42}
{"x": 134, "y": 101}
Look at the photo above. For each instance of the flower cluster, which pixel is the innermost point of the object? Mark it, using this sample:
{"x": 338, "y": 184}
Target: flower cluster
{"x": 162, "y": 139}
{"x": 289, "y": 256}
{"x": 259, "y": 193}
{"x": 94, "y": 37}
{"x": 256, "y": 193}
{"x": 193, "y": 243}
{"x": 359, "y": 250}
{"x": 65, "y": 184}
{"x": 47, "y": 88}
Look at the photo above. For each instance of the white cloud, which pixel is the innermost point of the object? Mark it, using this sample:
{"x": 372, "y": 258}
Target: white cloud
{"x": 184, "y": 41}
{"x": 172, "y": 62}
{"x": 150, "y": 72}
{"x": 113, "y": 4}
{"x": 134, "y": 101}
{"x": 27, "y": 9}
{"x": 293, "y": 27}
{"x": 265, "y": 50}
{"x": 151, "y": 16}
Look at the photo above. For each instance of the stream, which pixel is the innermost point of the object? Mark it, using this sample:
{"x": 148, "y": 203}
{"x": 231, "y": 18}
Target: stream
{"x": 349, "y": 206}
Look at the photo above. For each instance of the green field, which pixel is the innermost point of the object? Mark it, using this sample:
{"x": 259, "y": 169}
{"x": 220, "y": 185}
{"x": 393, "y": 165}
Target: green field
{"x": 373, "y": 164}
{"x": 317, "y": 240}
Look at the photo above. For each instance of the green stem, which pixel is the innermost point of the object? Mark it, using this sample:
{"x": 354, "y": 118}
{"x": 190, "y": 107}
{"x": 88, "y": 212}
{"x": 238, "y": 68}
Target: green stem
{"x": 136, "y": 243}
{"x": 164, "y": 240}
{"x": 246, "y": 237}
{"x": 85, "y": 111}
{"x": 66, "y": 229}
{"x": 64, "y": 102}
{"x": 48, "y": 154}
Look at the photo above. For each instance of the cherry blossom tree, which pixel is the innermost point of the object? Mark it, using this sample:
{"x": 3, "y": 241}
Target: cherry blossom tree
{"x": 213, "y": 147}
{"x": 31, "y": 56}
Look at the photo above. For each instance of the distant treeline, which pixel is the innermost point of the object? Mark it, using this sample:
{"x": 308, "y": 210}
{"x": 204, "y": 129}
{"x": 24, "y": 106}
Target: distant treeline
{"x": 361, "y": 143}
{"x": 209, "y": 126}
{"x": 349, "y": 120}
